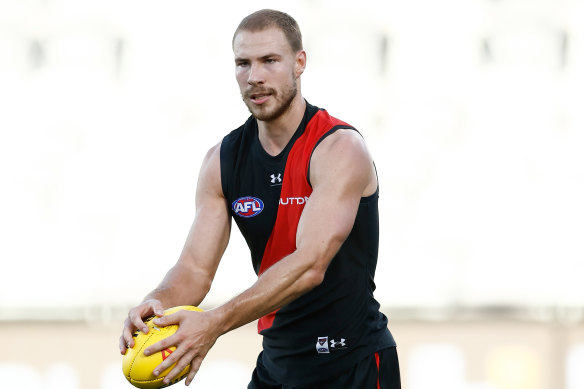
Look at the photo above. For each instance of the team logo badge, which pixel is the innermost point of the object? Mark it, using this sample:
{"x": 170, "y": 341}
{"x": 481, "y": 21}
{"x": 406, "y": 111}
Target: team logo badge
{"x": 322, "y": 346}
{"x": 247, "y": 206}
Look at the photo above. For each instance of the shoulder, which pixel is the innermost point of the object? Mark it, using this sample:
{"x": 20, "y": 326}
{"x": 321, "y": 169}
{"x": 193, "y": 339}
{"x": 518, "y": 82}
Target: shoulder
{"x": 211, "y": 162}
{"x": 344, "y": 144}
{"x": 209, "y": 180}
{"x": 213, "y": 153}
{"x": 342, "y": 157}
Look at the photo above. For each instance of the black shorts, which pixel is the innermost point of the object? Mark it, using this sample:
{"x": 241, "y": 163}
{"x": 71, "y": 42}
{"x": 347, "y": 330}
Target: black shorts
{"x": 378, "y": 371}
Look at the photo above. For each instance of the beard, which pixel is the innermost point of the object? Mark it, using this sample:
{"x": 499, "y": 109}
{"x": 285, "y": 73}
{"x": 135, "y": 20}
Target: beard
{"x": 283, "y": 101}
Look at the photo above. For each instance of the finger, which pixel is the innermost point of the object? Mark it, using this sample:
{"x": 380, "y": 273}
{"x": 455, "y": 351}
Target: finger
{"x": 157, "y": 308}
{"x": 190, "y": 376}
{"x": 137, "y": 322}
{"x": 123, "y": 346}
{"x": 181, "y": 364}
{"x": 170, "y": 360}
{"x": 163, "y": 345}
{"x": 195, "y": 366}
{"x": 127, "y": 340}
{"x": 164, "y": 321}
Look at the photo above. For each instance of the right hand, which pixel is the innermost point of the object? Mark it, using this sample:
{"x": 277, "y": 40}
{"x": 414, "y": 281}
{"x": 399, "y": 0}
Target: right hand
{"x": 135, "y": 321}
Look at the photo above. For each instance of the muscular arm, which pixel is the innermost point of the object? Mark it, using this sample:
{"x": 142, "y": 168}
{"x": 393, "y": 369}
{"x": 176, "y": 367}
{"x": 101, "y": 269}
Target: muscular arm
{"x": 189, "y": 280}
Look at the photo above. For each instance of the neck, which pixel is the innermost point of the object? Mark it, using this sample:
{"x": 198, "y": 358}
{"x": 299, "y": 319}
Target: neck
{"x": 275, "y": 134}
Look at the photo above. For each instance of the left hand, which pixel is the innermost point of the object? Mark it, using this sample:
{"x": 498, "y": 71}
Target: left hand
{"x": 196, "y": 334}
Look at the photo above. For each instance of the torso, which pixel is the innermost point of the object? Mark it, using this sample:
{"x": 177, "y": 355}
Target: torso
{"x": 266, "y": 195}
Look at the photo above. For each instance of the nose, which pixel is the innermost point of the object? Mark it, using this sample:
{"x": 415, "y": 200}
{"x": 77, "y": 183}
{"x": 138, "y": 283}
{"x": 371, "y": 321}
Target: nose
{"x": 256, "y": 75}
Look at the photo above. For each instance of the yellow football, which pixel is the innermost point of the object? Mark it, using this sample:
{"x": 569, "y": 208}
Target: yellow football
{"x": 138, "y": 367}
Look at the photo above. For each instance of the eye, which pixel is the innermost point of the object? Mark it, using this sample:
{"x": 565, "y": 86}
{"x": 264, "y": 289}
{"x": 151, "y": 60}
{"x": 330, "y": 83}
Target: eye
{"x": 271, "y": 60}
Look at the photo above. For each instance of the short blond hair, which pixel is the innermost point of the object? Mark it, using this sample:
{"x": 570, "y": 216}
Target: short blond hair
{"x": 268, "y": 18}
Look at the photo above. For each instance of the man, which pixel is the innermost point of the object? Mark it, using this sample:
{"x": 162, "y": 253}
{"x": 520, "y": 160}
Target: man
{"x": 302, "y": 188}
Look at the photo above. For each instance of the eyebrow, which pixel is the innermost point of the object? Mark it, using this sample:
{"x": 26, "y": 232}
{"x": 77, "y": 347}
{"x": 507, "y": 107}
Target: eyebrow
{"x": 263, "y": 57}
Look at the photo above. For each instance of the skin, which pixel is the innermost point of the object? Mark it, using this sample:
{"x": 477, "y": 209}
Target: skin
{"x": 342, "y": 171}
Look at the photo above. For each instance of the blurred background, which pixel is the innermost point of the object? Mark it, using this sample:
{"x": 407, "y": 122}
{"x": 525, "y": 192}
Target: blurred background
{"x": 473, "y": 111}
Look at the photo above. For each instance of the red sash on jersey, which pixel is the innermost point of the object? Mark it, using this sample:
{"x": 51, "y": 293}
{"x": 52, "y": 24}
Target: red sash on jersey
{"x": 295, "y": 190}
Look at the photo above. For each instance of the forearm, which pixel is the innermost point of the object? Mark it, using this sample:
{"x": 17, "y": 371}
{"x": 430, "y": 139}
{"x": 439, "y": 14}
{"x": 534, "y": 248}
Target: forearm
{"x": 181, "y": 286}
{"x": 282, "y": 283}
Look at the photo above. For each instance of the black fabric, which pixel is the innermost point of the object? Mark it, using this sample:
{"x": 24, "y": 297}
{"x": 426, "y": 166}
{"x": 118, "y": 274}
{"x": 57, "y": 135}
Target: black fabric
{"x": 363, "y": 375}
{"x": 341, "y": 307}
{"x": 246, "y": 170}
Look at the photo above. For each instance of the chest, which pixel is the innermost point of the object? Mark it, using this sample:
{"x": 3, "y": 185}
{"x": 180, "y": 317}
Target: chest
{"x": 255, "y": 194}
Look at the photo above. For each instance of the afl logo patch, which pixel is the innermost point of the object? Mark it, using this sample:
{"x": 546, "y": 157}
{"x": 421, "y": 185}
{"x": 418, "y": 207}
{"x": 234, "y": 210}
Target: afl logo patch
{"x": 247, "y": 206}
{"x": 322, "y": 345}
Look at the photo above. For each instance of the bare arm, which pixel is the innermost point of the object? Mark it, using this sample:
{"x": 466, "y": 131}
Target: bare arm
{"x": 341, "y": 173}
{"x": 189, "y": 280}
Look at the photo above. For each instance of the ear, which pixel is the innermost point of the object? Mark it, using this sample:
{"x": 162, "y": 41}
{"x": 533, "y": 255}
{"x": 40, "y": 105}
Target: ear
{"x": 300, "y": 63}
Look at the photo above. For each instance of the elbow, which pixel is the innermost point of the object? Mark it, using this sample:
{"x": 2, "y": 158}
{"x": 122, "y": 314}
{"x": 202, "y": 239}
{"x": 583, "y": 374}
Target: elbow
{"x": 316, "y": 268}
{"x": 313, "y": 278}
{"x": 205, "y": 285}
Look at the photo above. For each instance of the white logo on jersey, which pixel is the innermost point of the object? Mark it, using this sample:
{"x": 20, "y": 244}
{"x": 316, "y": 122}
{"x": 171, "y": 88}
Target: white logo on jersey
{"x": 341, "y": 343}
{"x": 247, "y": 206}
{"x": 293, "y": 200}
{"x": 276, "y": 178}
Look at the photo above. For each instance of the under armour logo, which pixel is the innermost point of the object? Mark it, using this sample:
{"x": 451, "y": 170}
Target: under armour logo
{"x": 335, "y": 344}
{"x": 276, "y": 178}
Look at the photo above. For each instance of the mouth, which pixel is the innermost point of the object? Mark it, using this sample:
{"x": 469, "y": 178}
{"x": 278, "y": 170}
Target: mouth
{"x": 259, "y": 97}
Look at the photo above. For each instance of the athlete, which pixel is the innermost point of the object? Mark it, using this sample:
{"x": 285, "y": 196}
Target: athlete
{"x": 302, "y": 188}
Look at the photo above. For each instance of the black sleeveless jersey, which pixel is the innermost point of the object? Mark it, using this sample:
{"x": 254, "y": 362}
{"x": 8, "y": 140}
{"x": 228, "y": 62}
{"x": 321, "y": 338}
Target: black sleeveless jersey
{"x": 330, "y": 328}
